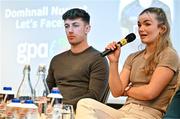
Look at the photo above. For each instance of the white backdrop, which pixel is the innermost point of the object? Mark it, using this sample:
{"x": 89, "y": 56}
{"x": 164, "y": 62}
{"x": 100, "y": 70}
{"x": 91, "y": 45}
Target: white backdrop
{"x": 32, "y": 31}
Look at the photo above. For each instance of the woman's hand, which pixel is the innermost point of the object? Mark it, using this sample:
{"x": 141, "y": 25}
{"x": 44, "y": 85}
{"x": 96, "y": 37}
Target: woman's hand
{"x": 114, "y": 56}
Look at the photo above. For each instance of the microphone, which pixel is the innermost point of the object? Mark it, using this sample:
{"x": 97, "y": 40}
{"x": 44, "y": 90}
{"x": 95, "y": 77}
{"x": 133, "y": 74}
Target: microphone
{"x": 129, "y": 38}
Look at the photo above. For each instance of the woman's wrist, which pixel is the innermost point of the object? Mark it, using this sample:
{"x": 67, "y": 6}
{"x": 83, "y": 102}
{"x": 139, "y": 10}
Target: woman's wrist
{"x": 128, "y": 88}
{"x": 114, "y": 62}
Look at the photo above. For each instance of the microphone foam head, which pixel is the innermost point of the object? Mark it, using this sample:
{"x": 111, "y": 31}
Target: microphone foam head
{"x": 130, "y": 37}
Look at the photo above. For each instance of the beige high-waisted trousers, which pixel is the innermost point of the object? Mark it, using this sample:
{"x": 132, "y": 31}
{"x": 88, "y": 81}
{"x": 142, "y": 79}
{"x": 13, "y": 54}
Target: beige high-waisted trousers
{"x": 91, "y": 109}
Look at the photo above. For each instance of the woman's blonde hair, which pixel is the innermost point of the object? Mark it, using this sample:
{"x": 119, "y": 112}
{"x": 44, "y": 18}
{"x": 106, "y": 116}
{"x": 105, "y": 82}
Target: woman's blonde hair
{"x": 163, "y": 40}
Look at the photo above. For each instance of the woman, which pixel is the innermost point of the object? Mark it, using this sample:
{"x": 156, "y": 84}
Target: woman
{"x": 148, "y": 77}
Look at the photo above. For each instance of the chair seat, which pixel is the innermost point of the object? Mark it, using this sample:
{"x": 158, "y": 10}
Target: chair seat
{"x": 173, "y": 111}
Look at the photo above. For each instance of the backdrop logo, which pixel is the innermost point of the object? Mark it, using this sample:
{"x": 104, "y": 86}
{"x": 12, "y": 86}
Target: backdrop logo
{"x": 28, "y": 51}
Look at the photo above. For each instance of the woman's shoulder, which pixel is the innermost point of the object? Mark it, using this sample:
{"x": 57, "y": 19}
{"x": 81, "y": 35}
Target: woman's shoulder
{"x": 169, "y": 58}
{"x": 169, "y": 52}
{"x": 169, "y": 49}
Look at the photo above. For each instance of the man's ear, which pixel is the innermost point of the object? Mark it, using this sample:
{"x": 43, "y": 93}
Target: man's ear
{"x": 88, "y": 28}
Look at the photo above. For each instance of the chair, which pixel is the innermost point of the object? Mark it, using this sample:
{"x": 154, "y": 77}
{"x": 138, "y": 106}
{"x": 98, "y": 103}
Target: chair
{"x": 173, "y": 110}
{"x": 106, "y": 95}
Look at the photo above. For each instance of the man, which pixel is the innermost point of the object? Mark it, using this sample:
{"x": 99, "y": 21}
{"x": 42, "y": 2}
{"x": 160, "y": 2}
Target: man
{"x": 79, "y": 72}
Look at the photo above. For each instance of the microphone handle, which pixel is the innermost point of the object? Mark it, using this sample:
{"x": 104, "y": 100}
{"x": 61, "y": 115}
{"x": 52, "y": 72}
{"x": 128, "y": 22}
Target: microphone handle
{"x": 107, "y": 51}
